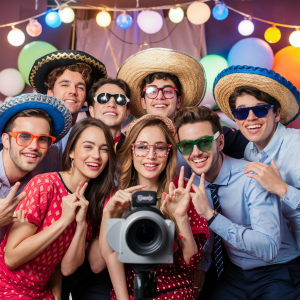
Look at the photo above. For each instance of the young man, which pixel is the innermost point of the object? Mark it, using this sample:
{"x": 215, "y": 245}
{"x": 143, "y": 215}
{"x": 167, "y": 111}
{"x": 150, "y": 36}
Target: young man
{"x": 108, "y": 101}
{"x": 164, "y": 81}
{"x": 65, "y": 75}
{"x": 264, "y": 257}
{"x": 262, "y": 102}
{"x": 29, "y": 124}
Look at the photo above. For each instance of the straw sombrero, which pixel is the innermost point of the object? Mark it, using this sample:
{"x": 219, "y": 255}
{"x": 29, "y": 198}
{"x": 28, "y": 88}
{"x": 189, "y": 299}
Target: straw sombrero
{"x": 188, "y": 70}
{"x": 45, "y": 64}
{"x": 263, "y": 79}
{"x": 58, "y": 112}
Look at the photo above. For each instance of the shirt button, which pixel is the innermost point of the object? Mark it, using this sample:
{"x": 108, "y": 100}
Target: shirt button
{"x": 215, "y": 230}
{"x": 287, "y": 198}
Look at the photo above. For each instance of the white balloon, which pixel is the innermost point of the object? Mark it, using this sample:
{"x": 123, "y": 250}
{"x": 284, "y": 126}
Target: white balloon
{"x": 198, "y": 13}
{"x": 11, "y": 82}
{"x": 246, "y": 27}
{"x": 150, "y": 21}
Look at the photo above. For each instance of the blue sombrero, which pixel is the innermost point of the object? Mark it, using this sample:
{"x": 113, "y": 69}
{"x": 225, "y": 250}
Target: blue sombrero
{"x": 58, "y": 112}
{"x": 263, "y": 79}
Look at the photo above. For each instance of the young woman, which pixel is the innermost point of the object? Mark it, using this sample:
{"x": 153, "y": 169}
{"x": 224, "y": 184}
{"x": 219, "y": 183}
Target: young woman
{"x": 147, "y": 161}
{"x": 61, "y": 211}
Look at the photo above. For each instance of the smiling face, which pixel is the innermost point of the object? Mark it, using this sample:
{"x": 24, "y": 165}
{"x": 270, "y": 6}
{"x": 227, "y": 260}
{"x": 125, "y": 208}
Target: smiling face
{"x": 70, "y": 88}
{"x": 26, "y": 159}
{"x": 208, "y": 162}
{"x": 90, "y": 154}
{"x": 257, "y": 130}
{"x": 150, "y": 167}
{"x": 110, "y": 113}
{"x": 160, "y": 105}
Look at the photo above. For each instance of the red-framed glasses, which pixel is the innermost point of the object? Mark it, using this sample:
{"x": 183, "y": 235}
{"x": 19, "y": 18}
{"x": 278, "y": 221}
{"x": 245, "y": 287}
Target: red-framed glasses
{"x": 24, "y": 139}
{"x": 142, "y": 149}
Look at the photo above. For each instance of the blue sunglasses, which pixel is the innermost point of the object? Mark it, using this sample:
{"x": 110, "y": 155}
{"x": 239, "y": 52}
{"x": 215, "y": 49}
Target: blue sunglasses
{"x": 259, "y": 110}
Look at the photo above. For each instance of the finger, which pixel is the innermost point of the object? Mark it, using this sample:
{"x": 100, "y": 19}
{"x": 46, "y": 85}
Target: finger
{"x": 78, "y": 187}
{"x": 13, "y": 192}
{"x": 135, "y": 188}
{"x": 195, "y": 188}
{"x": 273, "y": 164}
{"x": 254, "y": 176}
{"x": 190, "y": 182}
{"x": 83, "y": 189}
{"x": 171, "y": 188}
{"x": 202, "y": 182}
{"x": 18, "y": 199}
{"x": 181, "y": 178}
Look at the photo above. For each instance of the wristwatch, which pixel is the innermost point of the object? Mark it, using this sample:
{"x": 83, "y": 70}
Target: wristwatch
{"x": 212, "y": 218}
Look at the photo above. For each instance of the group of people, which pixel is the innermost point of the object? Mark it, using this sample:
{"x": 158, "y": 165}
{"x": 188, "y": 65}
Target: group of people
{"x": 233, "y": 194}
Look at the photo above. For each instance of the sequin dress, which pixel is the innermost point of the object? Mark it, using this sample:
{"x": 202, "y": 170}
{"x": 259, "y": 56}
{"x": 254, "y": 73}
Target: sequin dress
{"x": 176, "y": 281}
{"x": 42, "y": 205}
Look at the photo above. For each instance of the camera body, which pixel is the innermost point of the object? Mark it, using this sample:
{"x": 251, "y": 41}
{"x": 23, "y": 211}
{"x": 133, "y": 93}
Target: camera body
{"x": 143, "y": 236}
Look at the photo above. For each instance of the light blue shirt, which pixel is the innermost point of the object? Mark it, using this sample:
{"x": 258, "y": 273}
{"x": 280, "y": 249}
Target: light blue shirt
{"x": 284, "y": 148}
{"x": 251, "y": 225}
{"x": 5, "y": 188}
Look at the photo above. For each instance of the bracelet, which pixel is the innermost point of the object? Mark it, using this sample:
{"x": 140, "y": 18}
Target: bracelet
{"x": 212, "y": 218}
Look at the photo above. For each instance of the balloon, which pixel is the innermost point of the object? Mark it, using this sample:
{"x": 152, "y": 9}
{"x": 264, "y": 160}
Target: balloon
{"x": 220, "y": 11}
{"x": 16, "y": 37}
{"x": 124, "y": 21}
{"x": 150, "y": 21}
{"x": 66, "y": 14}
{"x": 176, "y": 15}
{"x": 246, "y": 27}
{"x": 251, "y": 52}
{"x": 52, "y": 19}
{"x": 272, "y": 34}
{"x": 11, "y": 82}
{"x": 198, "y": 13}
{"x": 213, "y": 65}
{"x": 30, "y": 53}
{"x": 294, "y": 38}
{"x": 34, "y": 28}
{"x": 103, "y": 19}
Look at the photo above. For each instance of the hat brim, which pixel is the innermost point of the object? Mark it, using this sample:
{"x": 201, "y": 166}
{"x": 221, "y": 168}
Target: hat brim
{"x": 188, "y": 70}
{"x": 58, "y": 112}
{"x": 265, "y": 80}
{"x": 47, "y": 63}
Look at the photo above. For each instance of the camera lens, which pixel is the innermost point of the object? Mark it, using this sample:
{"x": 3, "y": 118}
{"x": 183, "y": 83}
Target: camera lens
{"x": 145, "y": 237}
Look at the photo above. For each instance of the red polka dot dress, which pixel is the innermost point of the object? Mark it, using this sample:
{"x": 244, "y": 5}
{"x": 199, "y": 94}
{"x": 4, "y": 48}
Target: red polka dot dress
{"x": 42, "y": 206}
{"x": 176, "y": 281}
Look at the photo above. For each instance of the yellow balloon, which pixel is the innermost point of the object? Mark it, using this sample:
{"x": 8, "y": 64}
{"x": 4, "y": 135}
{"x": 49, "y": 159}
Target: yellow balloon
{"x": 272, "y": 35}
{"x": 103, "y": 19}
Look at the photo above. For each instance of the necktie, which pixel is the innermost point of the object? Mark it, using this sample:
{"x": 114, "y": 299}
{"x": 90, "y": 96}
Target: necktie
{"x": 217, "y": 241}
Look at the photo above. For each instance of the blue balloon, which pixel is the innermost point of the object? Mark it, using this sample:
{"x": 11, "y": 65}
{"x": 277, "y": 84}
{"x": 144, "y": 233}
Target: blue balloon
{"x": 251, "y": 52}
{"x": 124, "y": 21}
{"x": 52, "y": 19}
{"x": 220, "y": 11}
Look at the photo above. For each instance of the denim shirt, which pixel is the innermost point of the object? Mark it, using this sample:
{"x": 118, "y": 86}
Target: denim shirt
{"x": 284, "y": 148}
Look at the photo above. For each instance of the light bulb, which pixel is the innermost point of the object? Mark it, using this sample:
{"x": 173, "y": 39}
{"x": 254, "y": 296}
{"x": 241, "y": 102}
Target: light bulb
{"x": 124, "y": 21}
{"x": 295, "y": 38}
{"x": 198, "y": 13}
{"x": 272, "y": 35}
{"x": 246, "y": 27}
{"x": 103, "y": 19}
{"x": 16, "y": 37}
{"x": 66, "y": 14}
{"x": 34, "y": 28}
{"x": 52, "y": 19}
{"x": 176, "y": 15}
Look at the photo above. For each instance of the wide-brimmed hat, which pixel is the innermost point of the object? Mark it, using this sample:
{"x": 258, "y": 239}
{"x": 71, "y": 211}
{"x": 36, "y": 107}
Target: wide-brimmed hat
{"x": 47, "y": 63}
{"x": 169, "y": 123}
{"x": 263, "y": 79}
{"x": 188, "y": 70}
{"x": 58, "y": 112}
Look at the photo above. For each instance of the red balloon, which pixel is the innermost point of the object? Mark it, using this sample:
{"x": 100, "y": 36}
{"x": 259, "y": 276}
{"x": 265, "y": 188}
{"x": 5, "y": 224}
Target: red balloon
{"x": 34, "y": 28}
{"x": 287, "y": 64}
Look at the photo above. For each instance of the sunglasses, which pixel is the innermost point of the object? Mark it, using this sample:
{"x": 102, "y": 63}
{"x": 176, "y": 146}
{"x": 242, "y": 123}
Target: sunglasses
{"x": 120, "y": 99}
{"x": 24, "y": 139}
{"x": 259, "y": 110}
{"x": 167, "y": 91}
{"x": 203, "y": 144}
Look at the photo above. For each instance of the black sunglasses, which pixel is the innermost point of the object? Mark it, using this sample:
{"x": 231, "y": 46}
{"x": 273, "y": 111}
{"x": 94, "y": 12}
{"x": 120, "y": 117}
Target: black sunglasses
{"x": 259, "y": 110}
{"x": 120, "y": 99}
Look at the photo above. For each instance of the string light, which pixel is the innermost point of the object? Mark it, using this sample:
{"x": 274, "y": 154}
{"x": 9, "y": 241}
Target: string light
{"x": 16, "y": 36}
{"x": 124, "y": 21}
{"x": 198, "y": 13}
{"x": 34, "y": 28}
{"x": 103, "y": 19}
{"x": 66, "y": 14}
{"x": 246, "y": 27}
{"x": 272, "y": 34}
{"x": 176, "y": 15}
{"x": 52, "y": 19}
{"x": 295, "y": 38}
{"x": 220, "y": 11}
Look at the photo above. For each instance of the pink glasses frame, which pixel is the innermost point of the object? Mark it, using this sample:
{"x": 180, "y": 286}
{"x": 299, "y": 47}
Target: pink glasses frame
{"x": 169, "y": 148}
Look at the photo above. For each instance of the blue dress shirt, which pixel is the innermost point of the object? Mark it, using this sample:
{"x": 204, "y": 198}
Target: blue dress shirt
{"x": 284, "y": 148}
{"x": 251, "y": 225}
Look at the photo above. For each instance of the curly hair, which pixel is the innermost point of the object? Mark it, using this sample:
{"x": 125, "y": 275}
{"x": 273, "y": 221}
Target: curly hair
{"x": 82, "y": 68}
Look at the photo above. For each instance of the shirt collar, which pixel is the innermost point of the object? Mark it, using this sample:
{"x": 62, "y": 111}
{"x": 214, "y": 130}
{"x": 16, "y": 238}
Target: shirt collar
{"x": 3, "y": 178}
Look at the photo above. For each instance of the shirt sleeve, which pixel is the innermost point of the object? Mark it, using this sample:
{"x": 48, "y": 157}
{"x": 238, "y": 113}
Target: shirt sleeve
{"x": 292, "y": 197}
{"x": 207, "y": 250}
{"x": 39, "y": 192}
{"x": 263, "y": 238}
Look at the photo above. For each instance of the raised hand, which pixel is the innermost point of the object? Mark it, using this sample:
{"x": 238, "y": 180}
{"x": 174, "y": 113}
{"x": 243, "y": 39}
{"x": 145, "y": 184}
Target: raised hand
{"x": 268, "y": 176}
{"x": 82, "y": 204}
{"x": 9, "y": 204}
{"x": 200, "y": 200}
{"x": 121, "y": 199}
{"x": 178, "y": 200}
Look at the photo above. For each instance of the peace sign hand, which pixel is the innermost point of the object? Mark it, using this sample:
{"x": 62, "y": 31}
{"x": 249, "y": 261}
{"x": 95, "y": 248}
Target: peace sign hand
{"x": 121, "y": 199}
{"x": 82, "y": 204}
{"x": 178, "y": 200}
{"x": 200, "y": 200}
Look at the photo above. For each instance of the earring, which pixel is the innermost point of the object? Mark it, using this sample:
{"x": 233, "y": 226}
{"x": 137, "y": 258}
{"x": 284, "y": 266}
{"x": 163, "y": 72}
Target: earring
{"x": 72, "y": 167}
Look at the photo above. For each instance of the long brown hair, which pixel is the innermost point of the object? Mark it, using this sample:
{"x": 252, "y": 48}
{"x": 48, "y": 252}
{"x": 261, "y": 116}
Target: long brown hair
{"x": 128, "y": 175}
{"x": 101, "y": 187}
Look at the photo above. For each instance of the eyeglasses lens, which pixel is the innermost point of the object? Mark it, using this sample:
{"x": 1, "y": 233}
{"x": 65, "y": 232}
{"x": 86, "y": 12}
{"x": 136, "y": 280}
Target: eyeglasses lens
{"x": 259, "y": 111}
{"x": 24, "y": 139}
{"x": 152, "y": 92}
{"x": 160, "y": 149}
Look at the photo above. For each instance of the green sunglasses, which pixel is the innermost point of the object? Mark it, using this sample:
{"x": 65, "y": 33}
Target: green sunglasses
{"x": 204, "y": 144}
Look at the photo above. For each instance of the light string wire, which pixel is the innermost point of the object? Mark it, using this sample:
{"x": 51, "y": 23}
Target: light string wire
{"x": 106, "y": 8}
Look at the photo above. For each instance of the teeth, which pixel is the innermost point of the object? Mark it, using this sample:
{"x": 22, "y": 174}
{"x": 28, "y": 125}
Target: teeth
{"x": 110, "y": 114}
{"x": 160, "y": 105}
{"x": 70, "y": 101}
{"x": 150, "y": 165}
{"x": 30, "y": 155}
{"x": 253, "y": 126}
{"x": 93, "y": 165}
{"x": 200, "y": 160}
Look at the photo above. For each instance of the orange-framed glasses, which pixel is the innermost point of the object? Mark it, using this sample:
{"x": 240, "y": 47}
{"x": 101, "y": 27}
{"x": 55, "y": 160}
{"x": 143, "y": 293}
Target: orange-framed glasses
{"x": 24, "y": 139}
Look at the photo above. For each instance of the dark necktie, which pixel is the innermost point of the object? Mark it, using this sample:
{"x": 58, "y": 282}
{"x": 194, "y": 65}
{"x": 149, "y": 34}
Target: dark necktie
{"x": 217, "y": 241}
